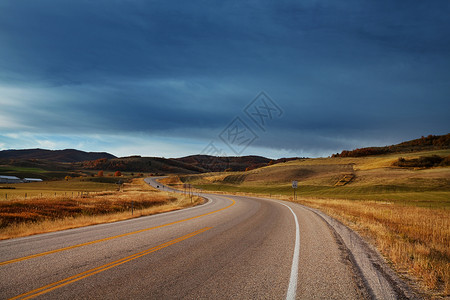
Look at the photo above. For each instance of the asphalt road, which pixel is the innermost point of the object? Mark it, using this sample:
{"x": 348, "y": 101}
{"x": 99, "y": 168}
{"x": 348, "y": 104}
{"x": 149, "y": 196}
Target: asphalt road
{"x": 232, "y": 247}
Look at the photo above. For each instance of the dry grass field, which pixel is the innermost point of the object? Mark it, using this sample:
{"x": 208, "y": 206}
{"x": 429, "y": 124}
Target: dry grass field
{"x": 22, "y": 217}
{"x": 415, "y": 239}
{"x": 404, "y": 212}
{"x": 59, "y": 188}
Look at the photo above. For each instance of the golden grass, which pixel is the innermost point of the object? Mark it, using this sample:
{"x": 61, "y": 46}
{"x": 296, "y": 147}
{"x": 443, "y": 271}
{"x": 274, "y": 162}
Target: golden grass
{"x": 415, "y": 239}
{"x": 27, "y": 217}
{"x": 170, "y": 180}
{"x": 50, "y": 189}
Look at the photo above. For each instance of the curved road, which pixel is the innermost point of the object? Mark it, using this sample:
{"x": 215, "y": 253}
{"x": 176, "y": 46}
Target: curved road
{"x": 232, "y": 247}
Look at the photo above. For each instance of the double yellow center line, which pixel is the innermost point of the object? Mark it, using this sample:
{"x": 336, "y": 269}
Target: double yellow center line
{"x": 52, "y": 286}
{"x": 110, "y": 238}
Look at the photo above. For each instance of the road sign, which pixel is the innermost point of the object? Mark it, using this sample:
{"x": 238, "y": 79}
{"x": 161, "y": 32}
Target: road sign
{"x": 295, "y": 184}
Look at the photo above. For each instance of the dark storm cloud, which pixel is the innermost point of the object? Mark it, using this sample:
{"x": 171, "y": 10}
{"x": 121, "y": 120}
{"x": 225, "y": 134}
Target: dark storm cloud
{"x": 343, "y": 71}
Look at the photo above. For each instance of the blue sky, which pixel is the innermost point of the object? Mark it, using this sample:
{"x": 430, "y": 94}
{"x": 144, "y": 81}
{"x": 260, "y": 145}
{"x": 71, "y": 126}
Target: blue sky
{"x": 167, "y": 78}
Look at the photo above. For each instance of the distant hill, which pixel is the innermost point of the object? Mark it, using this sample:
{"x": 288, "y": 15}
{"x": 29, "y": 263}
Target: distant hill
{"x": 67, "y": 155}
{"x": 218, "y": 163}
{"x": 141, "y": 164}
{"x": 184, "y": 165}
{"x": 230, "y": 163}
{"x": 431, "y": 142}
{"x": 71, "y": 159}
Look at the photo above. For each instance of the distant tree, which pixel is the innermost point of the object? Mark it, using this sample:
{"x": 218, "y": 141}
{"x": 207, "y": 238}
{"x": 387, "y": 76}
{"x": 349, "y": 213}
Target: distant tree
{"x": 118, "y": 174}
{"x": 100, "y": 174}
{"x": 67, "y": 178}
{"x": 270, "y": 163}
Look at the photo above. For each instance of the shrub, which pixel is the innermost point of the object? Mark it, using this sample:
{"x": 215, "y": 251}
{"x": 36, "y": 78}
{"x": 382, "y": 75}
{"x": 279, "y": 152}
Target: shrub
{"x": 421, "y": 162}
{"x": 100, "y": 174}
{"x": 118, "y": 174}
{"x": 445, "y": 162}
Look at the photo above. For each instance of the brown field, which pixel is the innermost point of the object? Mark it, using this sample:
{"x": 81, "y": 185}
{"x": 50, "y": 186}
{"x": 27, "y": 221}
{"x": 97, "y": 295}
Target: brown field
{"x": 38, "y": 215}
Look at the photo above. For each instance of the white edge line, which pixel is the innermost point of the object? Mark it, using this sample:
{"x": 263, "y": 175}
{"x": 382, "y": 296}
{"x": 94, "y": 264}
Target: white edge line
{"x": 292, "y": 289}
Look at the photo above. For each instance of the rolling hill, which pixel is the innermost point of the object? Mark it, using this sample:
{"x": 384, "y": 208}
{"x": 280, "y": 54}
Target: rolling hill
{"x": 67, "y": 155}
{"x": 230, "y": 163}
{"x": 47, "y": 164}
{"x": 59, "y": 163}
{"x": 141, "y": 164}
{"x": 431, "y": 142}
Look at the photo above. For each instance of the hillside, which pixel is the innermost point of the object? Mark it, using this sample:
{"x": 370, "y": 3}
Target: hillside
{"x": 47, "y": 164}
{"x": 141, "y": 164}
{"x": 431, "y": 142}
{"x": 67, "y": 155}
{"x": 45, "y": 169}
{"x": 217, "y": 164}
{"x": 372, "y": 177}
{"x": 230, "y": 163}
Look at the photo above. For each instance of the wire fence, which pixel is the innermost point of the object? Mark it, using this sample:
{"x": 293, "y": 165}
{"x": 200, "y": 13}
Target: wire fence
{"x": 16, "y": 195}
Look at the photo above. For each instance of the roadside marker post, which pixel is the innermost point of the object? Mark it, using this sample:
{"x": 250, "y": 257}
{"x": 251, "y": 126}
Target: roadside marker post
{"x": 294, "y": 186}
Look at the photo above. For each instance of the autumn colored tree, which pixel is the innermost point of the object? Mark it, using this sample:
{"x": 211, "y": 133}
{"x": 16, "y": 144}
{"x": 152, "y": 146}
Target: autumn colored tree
{"x": 67, "y": 178}
{"x": 118, "y": 173}
{"x": 100, "y": 174}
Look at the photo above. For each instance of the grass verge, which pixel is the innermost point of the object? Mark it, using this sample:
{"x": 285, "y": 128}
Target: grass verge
{"x": 415, "y": 239}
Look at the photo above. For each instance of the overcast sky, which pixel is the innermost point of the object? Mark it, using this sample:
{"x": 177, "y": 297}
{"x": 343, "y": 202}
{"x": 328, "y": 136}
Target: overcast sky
{"x": 174, "y": 78}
